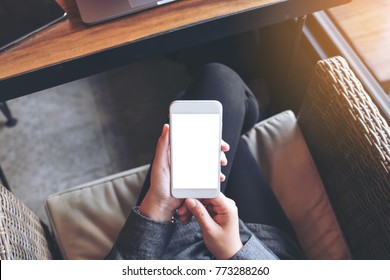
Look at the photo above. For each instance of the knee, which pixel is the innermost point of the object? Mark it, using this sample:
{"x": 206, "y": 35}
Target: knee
{"x": 218, "y": 71}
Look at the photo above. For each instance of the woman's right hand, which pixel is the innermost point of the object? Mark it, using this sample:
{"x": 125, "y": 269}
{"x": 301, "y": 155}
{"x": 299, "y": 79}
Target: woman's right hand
{"x": 218, "y": 220}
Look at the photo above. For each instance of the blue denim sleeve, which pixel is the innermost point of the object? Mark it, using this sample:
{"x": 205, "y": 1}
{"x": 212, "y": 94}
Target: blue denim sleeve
{"x": 141, "y": 238}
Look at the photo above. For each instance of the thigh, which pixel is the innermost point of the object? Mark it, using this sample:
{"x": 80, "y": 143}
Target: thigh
{"x": 254, "y": 198}
{"x": 240, "y": 108}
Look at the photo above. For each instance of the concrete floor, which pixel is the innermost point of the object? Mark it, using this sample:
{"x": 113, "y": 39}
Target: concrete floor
{"x": 87, "y": 129}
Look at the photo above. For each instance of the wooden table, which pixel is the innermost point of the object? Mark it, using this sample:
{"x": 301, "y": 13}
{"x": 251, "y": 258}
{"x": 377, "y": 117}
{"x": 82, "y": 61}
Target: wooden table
{"x": 366, "y": 24}
{"x": 70, "y": 50}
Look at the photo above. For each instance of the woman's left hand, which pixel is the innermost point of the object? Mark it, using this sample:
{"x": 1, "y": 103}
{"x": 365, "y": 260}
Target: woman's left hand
{"x": 158, "y": 204}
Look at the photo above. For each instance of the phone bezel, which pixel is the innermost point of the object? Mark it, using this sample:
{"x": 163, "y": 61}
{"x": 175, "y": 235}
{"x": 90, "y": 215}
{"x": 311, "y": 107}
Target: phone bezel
{"x": 195, "y": 107}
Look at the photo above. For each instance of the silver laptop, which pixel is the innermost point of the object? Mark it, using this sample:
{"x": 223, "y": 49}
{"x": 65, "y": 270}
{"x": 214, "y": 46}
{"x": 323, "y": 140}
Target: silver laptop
{"x": 97, "y": 11}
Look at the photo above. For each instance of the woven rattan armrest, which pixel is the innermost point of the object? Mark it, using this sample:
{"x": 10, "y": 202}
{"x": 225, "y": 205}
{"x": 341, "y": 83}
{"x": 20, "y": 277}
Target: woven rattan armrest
{"x": 350, "y": 143}
{"x": 22, "y": 235}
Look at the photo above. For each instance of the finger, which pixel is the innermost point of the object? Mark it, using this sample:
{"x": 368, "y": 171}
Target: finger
{"x": 184, "y": 213}
{"x": 224, "y": 146}
{"x": 201, "y": 215}
{"x": 222, "y": 177}
{"x": 220, "y": 203}
{"x": 162, "y": 149}
{"x": 224, "y": 160}
{"x": 185, "y": 219}
{"x": 183, "y": 210}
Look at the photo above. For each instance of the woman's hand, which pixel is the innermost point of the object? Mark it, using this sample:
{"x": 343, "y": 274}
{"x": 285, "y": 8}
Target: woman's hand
{"x": 158, "y": 203}
{"x": 218, "y": 220}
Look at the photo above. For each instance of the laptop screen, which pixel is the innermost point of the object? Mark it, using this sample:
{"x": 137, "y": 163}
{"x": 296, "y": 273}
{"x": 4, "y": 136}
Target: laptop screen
{"x": 97, "y": 11}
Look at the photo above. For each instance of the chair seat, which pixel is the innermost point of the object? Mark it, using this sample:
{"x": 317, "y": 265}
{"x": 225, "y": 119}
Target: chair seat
{"x": 86, "y": 219}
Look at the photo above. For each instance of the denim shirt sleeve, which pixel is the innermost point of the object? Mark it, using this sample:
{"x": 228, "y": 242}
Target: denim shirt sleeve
{"x": 141, "y": 238}
{"x": 253, "y": 249}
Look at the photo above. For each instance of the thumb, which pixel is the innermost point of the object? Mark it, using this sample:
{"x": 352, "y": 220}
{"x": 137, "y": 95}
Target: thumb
{"x": 200, "y": 213}
{"x": 163, "y": 144}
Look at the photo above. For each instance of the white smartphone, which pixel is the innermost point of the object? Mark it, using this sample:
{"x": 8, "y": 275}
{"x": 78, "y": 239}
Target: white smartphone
{"x": 195, "y": 148}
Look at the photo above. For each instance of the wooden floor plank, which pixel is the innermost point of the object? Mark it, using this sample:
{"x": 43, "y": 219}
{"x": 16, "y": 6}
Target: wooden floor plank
{"x": 366, "y": 24}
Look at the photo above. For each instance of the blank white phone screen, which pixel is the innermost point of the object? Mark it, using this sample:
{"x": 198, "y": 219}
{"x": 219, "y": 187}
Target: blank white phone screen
{"x": 195, "y": 148}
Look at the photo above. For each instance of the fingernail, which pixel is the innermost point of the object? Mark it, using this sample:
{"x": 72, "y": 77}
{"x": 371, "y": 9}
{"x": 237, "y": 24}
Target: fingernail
{"x": 191, "y": 202}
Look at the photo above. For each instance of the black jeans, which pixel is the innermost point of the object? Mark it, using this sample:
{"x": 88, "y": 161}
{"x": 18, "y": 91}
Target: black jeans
{"x": 245, "y": 183}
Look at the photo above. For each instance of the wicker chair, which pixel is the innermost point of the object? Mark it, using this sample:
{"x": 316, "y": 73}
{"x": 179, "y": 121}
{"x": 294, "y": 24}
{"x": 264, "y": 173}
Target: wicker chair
{"x": 347, "y": 138}
{"x": 350, "y": 143}
{"x": 22, "y": 234}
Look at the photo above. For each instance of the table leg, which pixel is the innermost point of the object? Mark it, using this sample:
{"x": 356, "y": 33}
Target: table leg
{"x": 294, "y": 52}
{"x": 11, "y": 121}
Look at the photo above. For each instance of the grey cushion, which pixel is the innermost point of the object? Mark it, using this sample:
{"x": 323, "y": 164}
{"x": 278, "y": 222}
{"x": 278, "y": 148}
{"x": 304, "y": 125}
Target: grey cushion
{"x": 281, "y": 151}
{"x": 87, "y": 219}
